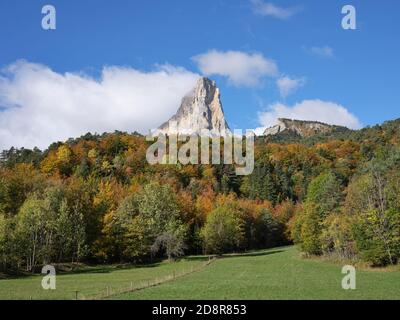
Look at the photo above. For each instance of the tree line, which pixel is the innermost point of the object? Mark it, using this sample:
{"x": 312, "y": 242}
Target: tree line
{"x": 95, "y": 199}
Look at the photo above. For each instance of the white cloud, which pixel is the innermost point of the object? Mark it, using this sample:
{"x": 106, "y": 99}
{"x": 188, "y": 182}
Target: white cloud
{"x": 324, "y": 51}
{"x": 259, "y": 131}
{"x": 41, "y": 106}
{"x": 241, "y": 68}
{"x": 311, "y": 110}
{"x": 287, "y": 85}
{"x": 270, "y": 9}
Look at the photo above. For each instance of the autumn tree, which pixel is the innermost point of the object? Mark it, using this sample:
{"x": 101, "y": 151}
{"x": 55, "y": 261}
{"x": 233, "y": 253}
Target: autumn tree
{"x": 375, "y": 201}
{"x": 323, "y": 198}
{"x": 32, "y": 233}
{"x": 149, "y": 222}
{"x": 223, "y": 231}
{"x": 70, "y": 233}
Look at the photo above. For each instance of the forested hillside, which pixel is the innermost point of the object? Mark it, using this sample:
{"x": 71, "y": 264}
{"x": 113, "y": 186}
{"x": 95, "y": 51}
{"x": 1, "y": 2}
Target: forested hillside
{"x": 96, "y": 199}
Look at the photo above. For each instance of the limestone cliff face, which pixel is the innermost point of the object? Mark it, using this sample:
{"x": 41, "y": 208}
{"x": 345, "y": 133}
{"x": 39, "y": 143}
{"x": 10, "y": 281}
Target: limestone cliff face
{"x": 200, "y": 109}
{"x": 300, "y": 127}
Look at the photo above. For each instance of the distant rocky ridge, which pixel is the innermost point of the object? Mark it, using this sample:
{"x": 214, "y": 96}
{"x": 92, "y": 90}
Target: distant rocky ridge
{"x": 302, "y": 128}
{"x": 200, "y": 109}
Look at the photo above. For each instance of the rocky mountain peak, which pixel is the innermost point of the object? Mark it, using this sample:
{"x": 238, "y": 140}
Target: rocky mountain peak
{"x": 200, "y": 109}
{"x": 302, "y": 128}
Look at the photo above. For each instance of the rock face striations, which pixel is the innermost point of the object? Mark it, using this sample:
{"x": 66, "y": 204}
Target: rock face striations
{"x": 200, "y": 109}
{"x": 301, "y": 127}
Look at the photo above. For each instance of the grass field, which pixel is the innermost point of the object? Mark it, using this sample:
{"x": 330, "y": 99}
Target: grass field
{"x": 91, "y": 281}
{"x": 274, "y": 274}
{"x": 277, "y": 273}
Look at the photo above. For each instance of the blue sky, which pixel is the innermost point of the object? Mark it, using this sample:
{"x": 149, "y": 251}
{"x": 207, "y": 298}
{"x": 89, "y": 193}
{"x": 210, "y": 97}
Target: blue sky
{"x": 355, "y": 69}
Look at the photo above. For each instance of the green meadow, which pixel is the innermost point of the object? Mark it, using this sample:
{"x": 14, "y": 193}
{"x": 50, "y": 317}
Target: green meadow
{"x": 93, "y": 281}
{"x": 279, "y": 273}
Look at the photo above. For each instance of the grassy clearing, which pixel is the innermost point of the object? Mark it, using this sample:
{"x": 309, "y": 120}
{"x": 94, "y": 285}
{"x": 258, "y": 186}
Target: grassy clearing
{"x": 91, "y": 281}
{"x": 278, "y": 273}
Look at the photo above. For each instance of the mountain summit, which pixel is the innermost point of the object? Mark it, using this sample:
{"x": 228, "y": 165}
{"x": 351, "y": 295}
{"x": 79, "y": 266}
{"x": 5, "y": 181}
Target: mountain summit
{"x": 200, "y": 109}
{"x": 301, "y": 127}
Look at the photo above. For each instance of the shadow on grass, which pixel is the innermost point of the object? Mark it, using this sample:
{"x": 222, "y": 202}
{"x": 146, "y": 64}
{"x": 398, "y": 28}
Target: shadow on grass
{"x": 127, "y": 266}
{"x": 265, "y": 252}
{"x": 109, "y": 268}
{"x": 251, "y": 254}
{"x": 9, "y": 275}
{"x": 196, "y": 258}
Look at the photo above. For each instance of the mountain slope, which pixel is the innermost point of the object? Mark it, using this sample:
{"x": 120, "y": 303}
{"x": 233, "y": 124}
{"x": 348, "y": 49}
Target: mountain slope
{"x": 302, "y": 128}
{"x": 200, "y": 109}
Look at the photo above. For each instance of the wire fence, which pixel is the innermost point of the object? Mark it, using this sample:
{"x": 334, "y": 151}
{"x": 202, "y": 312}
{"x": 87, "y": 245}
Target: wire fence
{"x": 110, "y": 291}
